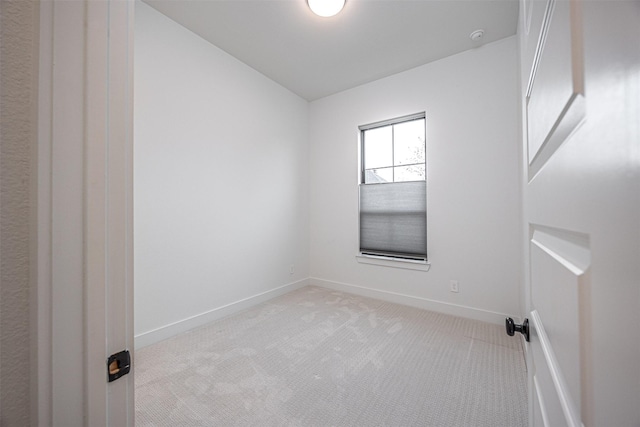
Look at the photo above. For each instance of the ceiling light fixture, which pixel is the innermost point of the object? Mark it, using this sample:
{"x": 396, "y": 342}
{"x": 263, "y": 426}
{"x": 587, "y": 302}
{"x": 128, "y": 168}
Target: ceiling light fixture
{"x": 326, "y": 8}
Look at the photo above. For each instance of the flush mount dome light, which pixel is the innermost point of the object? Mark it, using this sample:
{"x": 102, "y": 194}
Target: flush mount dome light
{"x": 326, "y": 8}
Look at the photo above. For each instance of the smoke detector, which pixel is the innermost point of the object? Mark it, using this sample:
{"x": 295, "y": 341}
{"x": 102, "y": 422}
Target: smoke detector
{"x": 476, "y": 35}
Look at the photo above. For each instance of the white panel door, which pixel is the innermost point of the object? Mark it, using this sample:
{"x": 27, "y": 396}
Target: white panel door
{"x": 580, "y": 64}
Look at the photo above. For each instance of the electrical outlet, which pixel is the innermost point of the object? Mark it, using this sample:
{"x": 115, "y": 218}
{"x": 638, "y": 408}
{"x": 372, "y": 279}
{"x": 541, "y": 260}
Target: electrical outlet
{"x": 292, "y": 269}
{"x": 453, "y": 286}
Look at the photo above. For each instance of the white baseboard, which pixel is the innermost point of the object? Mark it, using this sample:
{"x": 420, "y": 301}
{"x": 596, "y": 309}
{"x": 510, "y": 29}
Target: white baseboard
{"x": 151, "y": 337}
{"x": 418, "y": 302}
{"x": 157, "y": 335}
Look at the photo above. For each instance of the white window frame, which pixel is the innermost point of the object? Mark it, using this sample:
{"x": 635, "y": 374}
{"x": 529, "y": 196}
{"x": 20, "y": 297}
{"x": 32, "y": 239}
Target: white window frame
{"x": 388, "y": 259}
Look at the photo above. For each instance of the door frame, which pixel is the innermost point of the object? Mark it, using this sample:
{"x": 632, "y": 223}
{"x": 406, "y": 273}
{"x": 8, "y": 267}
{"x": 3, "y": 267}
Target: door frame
{"x": 84, "y": 276}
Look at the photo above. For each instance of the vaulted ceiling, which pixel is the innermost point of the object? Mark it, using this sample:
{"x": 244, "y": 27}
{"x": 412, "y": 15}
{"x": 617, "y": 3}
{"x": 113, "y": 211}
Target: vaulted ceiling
{"x": 370, "y": 39}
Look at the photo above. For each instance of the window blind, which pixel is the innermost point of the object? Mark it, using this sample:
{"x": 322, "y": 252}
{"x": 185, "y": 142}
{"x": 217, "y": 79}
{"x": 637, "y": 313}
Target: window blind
{"x": 393, "y": 219}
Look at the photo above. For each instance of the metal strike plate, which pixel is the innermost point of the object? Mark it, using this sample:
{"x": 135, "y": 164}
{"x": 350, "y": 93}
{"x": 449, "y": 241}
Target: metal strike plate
{"x": 118, "y": 364}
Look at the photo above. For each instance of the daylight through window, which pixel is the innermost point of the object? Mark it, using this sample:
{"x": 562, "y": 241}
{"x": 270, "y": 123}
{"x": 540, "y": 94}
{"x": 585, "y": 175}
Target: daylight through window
{"x": 393, "y": 198}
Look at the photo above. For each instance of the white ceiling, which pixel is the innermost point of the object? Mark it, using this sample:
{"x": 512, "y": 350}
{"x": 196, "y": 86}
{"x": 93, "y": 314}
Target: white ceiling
{"x": 370, "y": 39}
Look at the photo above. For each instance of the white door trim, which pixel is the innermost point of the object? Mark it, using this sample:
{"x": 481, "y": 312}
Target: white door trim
{"x": 85, "y": 257}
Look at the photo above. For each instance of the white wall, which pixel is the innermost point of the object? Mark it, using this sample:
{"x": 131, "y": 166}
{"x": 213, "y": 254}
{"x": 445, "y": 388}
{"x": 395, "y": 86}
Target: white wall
{"x": 221, "y": 181}
{"x": 473, "y": 204}
{"x": 237, "y": 179}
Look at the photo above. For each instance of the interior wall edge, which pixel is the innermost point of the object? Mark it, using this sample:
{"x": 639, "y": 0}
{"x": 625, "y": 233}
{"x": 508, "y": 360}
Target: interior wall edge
{"x": 154, "y": 336}
{"x": 417, "y": 302}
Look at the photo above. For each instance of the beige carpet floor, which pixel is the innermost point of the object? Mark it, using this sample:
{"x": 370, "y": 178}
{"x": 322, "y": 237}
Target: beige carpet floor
{"x": 318, "y": 357}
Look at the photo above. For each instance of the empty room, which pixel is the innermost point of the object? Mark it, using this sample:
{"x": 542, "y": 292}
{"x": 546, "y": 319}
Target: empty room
{"x": 281, "y": 159}
{"x": 293, "y": 213}
{"x": 245, "y": 191}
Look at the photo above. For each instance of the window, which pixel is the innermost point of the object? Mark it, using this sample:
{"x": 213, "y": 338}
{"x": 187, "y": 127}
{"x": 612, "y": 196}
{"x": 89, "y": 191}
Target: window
{"x": 393, "y": 191}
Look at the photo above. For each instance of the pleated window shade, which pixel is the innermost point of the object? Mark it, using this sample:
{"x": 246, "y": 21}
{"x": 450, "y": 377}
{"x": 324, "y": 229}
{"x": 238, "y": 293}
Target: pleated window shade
{"x": 393, "y": 219}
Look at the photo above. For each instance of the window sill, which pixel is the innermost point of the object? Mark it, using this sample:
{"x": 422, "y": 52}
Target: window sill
{"x": 406, "y": 264}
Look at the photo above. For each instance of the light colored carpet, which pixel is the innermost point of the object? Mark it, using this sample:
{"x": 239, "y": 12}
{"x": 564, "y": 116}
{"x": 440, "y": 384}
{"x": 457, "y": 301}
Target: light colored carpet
{"x": 317, "y": 357}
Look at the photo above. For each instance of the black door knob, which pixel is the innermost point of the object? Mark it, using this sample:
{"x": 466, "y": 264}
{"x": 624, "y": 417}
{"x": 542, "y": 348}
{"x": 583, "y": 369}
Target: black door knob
{"x": 512, "y": 328}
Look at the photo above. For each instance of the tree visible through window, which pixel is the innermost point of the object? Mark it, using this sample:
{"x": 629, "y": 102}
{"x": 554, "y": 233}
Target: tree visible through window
{"x": 393, "y": 188}
{"x": 394, "y": 153}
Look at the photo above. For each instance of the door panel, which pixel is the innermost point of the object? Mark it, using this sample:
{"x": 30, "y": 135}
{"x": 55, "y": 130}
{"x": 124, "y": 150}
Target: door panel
{"x": 534, "y": 11}
{"x": 557, "y": 267}
{"x": 558, "y": 257}
{"x": 581, "y": 206}
{"x": 548, "y": 399}
{"x": 539, "y": 416}
{"x": 559, "y": 262}
{"x": 555, "y": 103}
